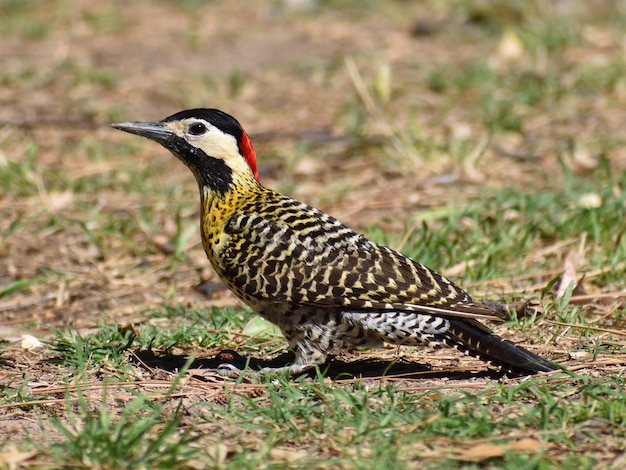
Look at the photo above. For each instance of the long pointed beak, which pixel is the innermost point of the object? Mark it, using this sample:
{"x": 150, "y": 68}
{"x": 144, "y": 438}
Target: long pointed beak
{"x": 151, "y": 130}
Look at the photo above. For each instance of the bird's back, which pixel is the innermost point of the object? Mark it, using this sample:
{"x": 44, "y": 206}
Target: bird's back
{"x": 281, "y": 251}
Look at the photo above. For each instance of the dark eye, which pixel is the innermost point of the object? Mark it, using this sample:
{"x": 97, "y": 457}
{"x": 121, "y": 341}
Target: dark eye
{"x": 197, "y": 129}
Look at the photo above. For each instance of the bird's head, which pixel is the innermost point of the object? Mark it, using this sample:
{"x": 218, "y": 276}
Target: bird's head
{"x": 210, "y": 142}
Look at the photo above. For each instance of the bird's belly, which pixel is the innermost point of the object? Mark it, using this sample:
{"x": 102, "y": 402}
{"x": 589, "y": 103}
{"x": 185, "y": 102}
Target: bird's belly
{"x": 400, "y": 327}
{"x": 329, "y": 329}
{"x": 333, "y": 329}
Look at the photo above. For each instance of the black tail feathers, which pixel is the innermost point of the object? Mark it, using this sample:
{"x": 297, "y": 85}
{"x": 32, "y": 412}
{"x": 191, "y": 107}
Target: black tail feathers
{"x": 477, "y": 340}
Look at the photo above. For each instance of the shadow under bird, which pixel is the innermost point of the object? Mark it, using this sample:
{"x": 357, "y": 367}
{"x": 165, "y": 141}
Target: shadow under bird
{"x": 325, "y": 286}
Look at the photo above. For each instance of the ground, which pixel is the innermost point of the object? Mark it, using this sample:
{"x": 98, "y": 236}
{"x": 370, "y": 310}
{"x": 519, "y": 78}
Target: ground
{"x": 483, "y": 138}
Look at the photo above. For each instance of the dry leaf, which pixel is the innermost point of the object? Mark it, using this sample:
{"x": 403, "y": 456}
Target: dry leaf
{"x": 569, "y": 277}
{"x": 581, "y": 355}
{"x": 510, "y": 48}
{"x": 590, "y": 201}
{"x": 57, "y": 201}
{"x": 525, "y": 444}
{"x": 287, "y": 455}
{"x": 583, "y": 160}
{"x": 480, "y": 452}
{"x": 489, "y": 451}
{"x": 30, "y": 343}
{"x": 217, "y": 453}
{"x": 12, "y": 457}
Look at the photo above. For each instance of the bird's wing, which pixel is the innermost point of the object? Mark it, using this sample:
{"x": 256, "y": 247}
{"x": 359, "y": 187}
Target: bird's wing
{"x": 314, "y": 260}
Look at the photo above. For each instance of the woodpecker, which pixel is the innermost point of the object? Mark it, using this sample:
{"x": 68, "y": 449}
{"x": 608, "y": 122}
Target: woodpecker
{"x": 324, "y": 285}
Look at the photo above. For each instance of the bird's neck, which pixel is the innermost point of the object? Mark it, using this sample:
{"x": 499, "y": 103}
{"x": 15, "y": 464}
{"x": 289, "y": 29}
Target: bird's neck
{"x": 218, "y": 208}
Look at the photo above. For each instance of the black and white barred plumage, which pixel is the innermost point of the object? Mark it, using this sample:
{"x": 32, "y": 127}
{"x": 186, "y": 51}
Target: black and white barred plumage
{"x": 325, "y": 286}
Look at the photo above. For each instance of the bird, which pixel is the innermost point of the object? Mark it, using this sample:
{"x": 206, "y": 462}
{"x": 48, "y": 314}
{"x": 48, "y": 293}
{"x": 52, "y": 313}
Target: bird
{"x": 325, "y": 286}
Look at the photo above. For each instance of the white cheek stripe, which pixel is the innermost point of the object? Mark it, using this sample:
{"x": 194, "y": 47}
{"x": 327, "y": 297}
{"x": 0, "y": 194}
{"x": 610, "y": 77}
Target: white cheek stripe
{"x": 215, "y": 143}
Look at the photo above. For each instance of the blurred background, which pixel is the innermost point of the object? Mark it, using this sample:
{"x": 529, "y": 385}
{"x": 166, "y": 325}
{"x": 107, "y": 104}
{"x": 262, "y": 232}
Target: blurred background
{"x": 439, "y": 127}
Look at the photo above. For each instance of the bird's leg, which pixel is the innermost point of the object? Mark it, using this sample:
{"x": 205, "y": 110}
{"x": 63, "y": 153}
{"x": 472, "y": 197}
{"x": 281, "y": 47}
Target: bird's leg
{"x": 293, "y": 369}
{"x": 232, "y": 371}
{"x": 307, "y": 357}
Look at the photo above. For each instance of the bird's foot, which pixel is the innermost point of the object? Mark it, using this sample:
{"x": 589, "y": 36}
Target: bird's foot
{"x": 230, "y": 371}
{"x": 291, "y": 370}
{"x": 233, "y": 372}
{"x": 234, "y": 365}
